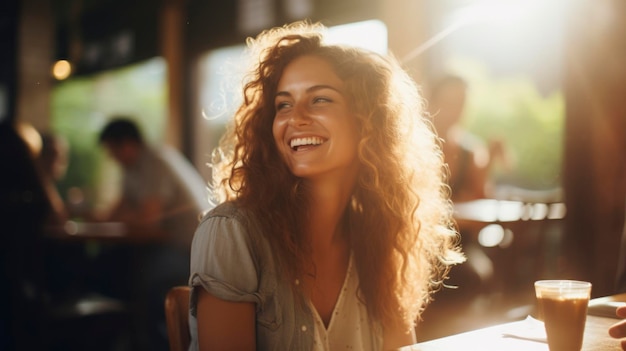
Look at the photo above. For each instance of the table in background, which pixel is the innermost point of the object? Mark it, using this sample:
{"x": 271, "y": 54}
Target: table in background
{"x": 520, "y": 238}
{"x": 134, "y": 265}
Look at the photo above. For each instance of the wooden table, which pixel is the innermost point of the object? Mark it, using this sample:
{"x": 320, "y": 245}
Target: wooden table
{"x": 508, "y": 235}
{"x": 493, "y": 338}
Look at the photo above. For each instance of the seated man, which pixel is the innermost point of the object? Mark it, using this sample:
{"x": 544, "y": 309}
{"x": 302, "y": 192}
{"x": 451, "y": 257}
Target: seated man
{"x": 468, "y": 157}
{"x": 162, "y": 194}
{"x": 162, "y": 199}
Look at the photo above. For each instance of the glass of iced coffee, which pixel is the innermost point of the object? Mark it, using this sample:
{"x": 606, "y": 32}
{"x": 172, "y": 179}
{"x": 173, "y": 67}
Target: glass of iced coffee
{"x": 562, "y": 305}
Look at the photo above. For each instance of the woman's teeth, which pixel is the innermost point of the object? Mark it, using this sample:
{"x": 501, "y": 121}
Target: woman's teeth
{"x": 309, "y": 141}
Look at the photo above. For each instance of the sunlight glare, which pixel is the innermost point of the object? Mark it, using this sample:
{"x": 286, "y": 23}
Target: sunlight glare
{"x": 499, "y": 11}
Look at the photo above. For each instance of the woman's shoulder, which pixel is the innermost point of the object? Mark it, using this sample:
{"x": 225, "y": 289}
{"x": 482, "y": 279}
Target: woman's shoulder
{"x": 228, "y": 209}
{"x": 229, "y": 218}
{"x": 228, "y": 243}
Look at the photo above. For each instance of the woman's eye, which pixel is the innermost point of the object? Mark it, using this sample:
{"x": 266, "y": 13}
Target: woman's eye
{"x": 321, "y": 99}
{"x": 281, "y": 105}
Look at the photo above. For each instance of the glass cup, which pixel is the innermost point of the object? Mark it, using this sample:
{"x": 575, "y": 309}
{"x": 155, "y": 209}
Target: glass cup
{"x": 562, "y": 305}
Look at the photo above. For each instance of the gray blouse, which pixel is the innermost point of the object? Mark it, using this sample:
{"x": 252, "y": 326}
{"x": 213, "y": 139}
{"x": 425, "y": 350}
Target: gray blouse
{"x": 231, "y": 259}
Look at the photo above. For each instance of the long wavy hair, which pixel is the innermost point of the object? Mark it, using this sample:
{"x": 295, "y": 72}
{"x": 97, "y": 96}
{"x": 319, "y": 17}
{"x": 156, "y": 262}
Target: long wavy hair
{"x": 399, "y": 218}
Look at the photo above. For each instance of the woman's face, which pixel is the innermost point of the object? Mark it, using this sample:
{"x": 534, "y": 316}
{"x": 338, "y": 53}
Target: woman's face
{"x": 314, "y": 130}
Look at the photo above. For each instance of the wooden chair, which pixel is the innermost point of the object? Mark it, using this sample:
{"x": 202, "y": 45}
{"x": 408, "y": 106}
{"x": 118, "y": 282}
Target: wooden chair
{"x": 176, "y": 317}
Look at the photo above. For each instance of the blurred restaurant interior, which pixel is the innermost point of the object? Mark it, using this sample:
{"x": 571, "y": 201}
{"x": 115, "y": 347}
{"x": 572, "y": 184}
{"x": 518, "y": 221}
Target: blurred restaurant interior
{"x": 545, "y": 78}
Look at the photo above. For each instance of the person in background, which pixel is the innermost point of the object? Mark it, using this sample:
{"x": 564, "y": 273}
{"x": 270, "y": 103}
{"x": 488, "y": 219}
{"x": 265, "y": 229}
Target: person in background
{"x": 162, "y": 195}
{"x": 333, "y": 226}
{"x": 52, "y": 162}
{"x": 468, "y": 158}
{"x": 65, "y": 264}
{"x": 24, "y": 210}
{"x": 162, "y": 200}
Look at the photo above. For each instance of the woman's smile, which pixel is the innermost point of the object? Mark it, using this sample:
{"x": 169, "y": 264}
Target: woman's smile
{"x": 305, "y": 143}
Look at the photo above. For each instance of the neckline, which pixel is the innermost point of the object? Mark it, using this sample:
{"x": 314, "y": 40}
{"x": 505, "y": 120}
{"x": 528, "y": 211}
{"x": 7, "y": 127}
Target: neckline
{"x": 344, "y": 287}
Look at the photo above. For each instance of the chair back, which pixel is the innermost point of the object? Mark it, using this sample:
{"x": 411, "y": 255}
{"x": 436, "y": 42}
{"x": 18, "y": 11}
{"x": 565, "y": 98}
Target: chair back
{"x": 176, "y": 317}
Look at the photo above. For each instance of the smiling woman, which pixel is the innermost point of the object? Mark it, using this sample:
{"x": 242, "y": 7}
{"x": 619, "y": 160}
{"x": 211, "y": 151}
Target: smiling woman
{"x": 334, "y": 224}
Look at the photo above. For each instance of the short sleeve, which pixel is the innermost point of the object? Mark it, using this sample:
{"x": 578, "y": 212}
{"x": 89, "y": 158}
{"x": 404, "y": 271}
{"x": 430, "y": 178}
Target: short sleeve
{"x": 223, "y": 261}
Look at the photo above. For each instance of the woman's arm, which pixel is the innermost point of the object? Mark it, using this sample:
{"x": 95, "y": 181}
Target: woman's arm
{"x": 224, "y": 325}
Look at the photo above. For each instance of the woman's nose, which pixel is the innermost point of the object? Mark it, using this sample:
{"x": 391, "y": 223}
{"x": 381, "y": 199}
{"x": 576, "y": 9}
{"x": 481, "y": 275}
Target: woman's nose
{"x": 300, "y": 115}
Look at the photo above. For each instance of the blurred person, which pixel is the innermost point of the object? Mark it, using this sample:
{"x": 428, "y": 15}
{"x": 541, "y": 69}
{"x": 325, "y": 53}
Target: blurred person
{"x": 52, "y": 162}
{"x": 333, "y": 226}
{"x": 24, "y": 210}
{"x": 468, "y": 158}
{"x": 162, "y": 199}
{"x": 162, "y": 194}
{"x": 54, "y": 156}
{"x": 50, "y": 155}
{"x": 64, "y": 263}
{"x": 67, "y": 265}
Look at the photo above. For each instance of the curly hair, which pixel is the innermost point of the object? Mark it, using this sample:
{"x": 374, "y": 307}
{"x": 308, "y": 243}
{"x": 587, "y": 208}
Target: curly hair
{"x": 400, "y": 217}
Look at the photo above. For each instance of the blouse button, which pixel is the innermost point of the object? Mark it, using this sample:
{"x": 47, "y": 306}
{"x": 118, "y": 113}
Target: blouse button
{"x": 297, "y": 282}
{"x": 304, "y": 328}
